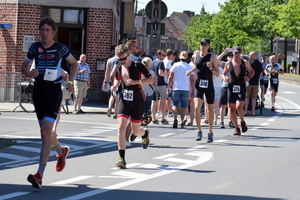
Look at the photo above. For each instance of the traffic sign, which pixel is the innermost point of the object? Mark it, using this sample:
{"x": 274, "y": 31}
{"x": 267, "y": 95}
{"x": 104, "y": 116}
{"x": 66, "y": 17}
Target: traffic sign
{"x": 164, "y": 10}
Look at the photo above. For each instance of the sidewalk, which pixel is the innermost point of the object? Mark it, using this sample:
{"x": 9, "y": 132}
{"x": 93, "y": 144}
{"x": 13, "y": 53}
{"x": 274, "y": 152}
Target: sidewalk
{"x": 86, "y": 107}
{"x": 96, "y": 107}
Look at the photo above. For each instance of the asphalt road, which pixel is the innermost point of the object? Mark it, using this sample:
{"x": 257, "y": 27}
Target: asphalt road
{"x": 263, "y": 163}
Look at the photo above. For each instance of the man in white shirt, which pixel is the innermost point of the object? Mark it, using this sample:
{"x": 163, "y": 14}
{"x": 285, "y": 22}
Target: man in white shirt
{"x": 179, "y": 82}
{"x": 295, "y": 58}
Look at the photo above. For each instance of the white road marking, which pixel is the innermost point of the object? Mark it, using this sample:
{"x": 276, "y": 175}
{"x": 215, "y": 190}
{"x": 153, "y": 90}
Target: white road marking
{"x": 202, "y": 158}
{"x": 178, "y": 160}
{"x": 264, "y": 124}
{"x": 24, "y": 148}
{"x": 71, "y": 180}
{"x": 12, "y": 195}
{"x": 196, "y": 147}
{"x": 166, "y": 135}
{"x": 166, "y": 156}
{"x": 129, "y": 165}
{"x": 288, "y": 92}
{"x": 151, "y": 166}
{"x": 271, "y": 120}
{"x": 129, "y": 174}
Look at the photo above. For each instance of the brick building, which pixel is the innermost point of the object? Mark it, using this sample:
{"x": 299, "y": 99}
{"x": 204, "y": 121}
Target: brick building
{"x": 89, "y": 27}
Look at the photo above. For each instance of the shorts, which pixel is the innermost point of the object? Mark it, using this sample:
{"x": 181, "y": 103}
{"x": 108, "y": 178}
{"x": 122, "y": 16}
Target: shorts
{"x": 274, "y": 86}
{"x": 180, "y": 96}
{"x": 233, "y": 97}
{"x": 294, "y": 64}
{"x": 209, "y": 92}
{"x": 133, "y": 109}
{"x": 251, "y": 91}
{"x": 264, "y": 83}
{"x": 80, "y": 89}
{"x": 217, "y": 92}
{"x": 161, "y": 91}
{"x": 47, "y": 101}
{"x": 223, "y": 98}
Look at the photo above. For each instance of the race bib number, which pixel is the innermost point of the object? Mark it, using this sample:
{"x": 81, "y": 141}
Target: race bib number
{"x": 236, "y": 89}
{"x": 266, "y": 78}
{"x": 203, "y": 83}
{"x": 275, "y": 80}
{"x": 50, "y": 75}
{"x": 128, "y": 95}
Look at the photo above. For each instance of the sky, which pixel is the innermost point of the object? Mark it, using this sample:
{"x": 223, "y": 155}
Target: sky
{"x": 211, "y": 6}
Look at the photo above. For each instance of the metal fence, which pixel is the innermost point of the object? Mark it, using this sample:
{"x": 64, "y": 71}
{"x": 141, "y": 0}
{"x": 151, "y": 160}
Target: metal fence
{"x": 11, "y": 87}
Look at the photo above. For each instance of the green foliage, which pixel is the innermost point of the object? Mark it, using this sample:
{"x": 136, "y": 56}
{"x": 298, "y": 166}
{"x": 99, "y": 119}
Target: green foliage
{"x": 244, "y": 23}
{"x": 6, "y": 143}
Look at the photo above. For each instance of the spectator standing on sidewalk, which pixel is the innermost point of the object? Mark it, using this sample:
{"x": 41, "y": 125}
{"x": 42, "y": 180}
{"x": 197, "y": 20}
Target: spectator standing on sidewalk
{"x": 252, "y": 88}
{"x": 47, "y": 94}
{"x": 81, "y": 84}
{"x": 295, "y": 60}
{"x": 179, "y": 84}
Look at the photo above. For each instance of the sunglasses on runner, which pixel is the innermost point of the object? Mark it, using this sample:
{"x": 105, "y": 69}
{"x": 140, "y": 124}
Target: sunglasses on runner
{"x": 123, "y": 59}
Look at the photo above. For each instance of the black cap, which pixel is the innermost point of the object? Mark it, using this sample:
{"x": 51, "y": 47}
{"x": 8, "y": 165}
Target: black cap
{"x": 237, "y": 49}
{"x": 205, "y": 40}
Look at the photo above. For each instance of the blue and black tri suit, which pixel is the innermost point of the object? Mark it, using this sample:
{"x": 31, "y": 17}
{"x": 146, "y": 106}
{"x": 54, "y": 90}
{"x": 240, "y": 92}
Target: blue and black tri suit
{"x": 47, "y": 94}
{"x": 131, "y": 98}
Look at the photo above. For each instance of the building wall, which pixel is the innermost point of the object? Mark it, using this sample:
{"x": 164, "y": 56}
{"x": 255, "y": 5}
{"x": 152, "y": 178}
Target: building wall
{"x": 102, "y": 32}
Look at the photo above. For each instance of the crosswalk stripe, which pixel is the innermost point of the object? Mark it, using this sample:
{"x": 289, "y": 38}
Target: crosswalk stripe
{"x": 24, "y": 148}
{"x": 166, "y": 135}
{"x": 197, "y": 147}
{"x": 12, "y": 195}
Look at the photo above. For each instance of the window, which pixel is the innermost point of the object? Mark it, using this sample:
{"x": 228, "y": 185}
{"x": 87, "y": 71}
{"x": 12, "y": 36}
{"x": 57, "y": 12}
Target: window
{"x": 55, "y": 14}
{"x": 71, "y": 16}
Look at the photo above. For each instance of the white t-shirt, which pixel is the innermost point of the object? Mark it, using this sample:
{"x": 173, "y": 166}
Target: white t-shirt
{"x": 181, "y": 81}
{"x": 217, "y": 80}
{"x": 295, "y": 57}
{"x": 148, "y": 91}
{"x": 168, "y": 65}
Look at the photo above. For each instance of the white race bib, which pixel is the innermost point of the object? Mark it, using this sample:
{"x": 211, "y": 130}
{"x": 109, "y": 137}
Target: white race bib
{"x": 128, "y": 95}
{"x": 50, "y": 75}
{"x": 203, "y": 83}
{"x": 275, "y": 80}
{"x": 236, "y": 89}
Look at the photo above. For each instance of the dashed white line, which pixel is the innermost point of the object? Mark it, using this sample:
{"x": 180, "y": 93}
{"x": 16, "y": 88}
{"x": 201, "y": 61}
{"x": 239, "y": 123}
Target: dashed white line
{"x": 166, "y": 135}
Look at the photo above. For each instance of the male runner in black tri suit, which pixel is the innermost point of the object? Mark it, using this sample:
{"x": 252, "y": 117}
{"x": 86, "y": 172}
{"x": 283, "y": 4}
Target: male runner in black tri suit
{"x": 237, "y": 68}
{"x": 131, "y": 100}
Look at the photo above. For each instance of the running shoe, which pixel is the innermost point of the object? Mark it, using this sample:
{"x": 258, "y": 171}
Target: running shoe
{"x": 132, "y": 137}
{"x": 244, "y": 126}
{"x": 210, "y": 137}
{"x": 115, "y": 117}
{"x": 237, "y": 132}
{"x": 121, "y": 163}
{"x": 80, "y": 112}
{"x": 35, "y": 180}
{"x": 146, "y": 140}
{"x": 199, "y": 136}
{"x": 222, "y": 125}
{"x": 108, "y": 112}
{"x": 170, "y": 115}
{"x": 175, "y": 123}
{"x": 155, "y": 122}
{"x": 164, "y": 121}
{"x": 273, "y": 109}
{"x": 231, "y": 125}
{"x": 61, "y": 159}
